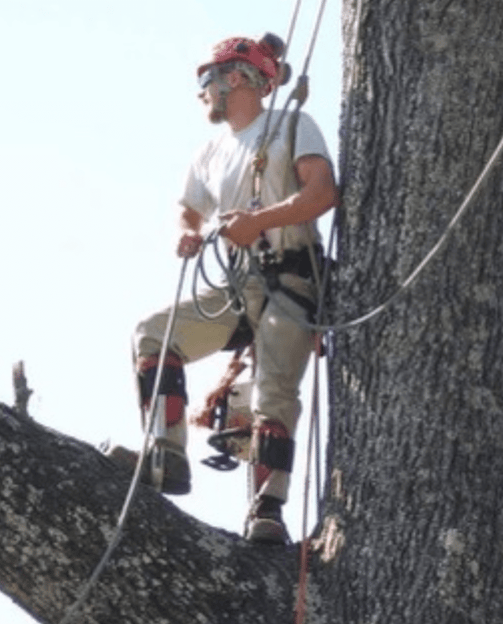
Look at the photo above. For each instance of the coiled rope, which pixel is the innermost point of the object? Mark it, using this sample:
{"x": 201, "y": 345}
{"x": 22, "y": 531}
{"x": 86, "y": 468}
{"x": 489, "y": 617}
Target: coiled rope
{"x": 235, "y": 273}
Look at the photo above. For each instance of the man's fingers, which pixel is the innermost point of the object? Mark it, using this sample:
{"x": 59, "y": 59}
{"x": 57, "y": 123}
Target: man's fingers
{"x": 189, "y": 246}
{"x": 227, "y": 216}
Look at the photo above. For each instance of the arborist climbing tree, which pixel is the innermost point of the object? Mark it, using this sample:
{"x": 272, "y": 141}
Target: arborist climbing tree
{"x": 268, "y": 199}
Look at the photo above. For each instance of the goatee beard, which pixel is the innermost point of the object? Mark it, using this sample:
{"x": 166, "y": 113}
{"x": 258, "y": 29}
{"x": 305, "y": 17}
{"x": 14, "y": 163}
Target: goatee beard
{"x": 216, "y": 116}
{"x": 219, "y": 112}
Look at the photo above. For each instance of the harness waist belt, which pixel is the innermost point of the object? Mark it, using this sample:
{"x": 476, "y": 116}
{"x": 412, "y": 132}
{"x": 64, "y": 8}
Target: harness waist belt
{"x": 298, "y": 262}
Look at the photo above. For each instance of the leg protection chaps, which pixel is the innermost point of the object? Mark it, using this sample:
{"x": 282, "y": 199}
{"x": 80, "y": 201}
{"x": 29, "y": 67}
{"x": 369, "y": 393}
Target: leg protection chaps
{"x": 172, "y": 394}
{"x": 272, "y": 450}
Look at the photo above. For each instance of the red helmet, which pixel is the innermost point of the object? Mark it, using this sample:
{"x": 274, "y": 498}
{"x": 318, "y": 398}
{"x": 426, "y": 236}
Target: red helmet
{"x": 263, "y": 54}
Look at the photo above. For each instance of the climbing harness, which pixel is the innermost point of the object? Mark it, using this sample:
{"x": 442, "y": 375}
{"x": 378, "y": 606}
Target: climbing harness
{"x": 405, "y": 285}
{"x": 114, "y": 540}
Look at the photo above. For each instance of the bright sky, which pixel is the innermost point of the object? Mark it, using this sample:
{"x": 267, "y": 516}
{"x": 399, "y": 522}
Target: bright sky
{"x": 99, "y": 121}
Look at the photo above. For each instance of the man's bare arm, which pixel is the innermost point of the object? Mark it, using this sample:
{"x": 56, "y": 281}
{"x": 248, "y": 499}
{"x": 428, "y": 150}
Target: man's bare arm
{"x": 316, "y": 195}
{"x": 190, "y": 240}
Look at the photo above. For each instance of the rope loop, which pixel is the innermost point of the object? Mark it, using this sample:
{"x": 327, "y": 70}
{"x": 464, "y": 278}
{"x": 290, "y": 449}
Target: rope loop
{"x": 235, "y": 272}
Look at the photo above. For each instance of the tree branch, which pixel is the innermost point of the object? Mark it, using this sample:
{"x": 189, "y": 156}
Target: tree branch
{"x": 21, "y": 391}
{"x": 59, "y": 503}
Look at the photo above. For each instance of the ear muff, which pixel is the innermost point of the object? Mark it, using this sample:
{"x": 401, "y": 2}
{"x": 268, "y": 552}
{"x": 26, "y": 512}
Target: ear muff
{"x": 275, "y": 43}
{"x": 285, "y": 73}
{"x": 276, "y": 47}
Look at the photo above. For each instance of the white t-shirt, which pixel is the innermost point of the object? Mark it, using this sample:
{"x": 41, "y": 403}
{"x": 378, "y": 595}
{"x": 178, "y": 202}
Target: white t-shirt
{"x": 220, "y": 178}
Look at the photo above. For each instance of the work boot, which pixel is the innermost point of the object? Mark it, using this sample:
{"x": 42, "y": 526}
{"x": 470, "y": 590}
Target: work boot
{"x": 175, "y": 473}
{"x": 176, "y": 470}
{"x": 124, "y": 458}
{"x": 264, "y": 523}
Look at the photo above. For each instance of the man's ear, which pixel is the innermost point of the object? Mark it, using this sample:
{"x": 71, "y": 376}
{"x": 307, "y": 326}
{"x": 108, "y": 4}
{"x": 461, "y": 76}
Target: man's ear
{"x": 235, "y": 78}
{"x": 265, "y": 90}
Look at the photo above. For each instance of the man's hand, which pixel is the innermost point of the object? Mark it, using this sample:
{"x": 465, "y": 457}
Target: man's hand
{"x": 190, "y": 241}
{"x": 241, "y": 228}
{"x": 189, "y": 245}
{"x": 317, "y": 193}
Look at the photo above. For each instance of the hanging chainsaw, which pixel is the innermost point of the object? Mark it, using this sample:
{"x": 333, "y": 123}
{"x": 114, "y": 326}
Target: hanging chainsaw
{"x": 228, "y": 414}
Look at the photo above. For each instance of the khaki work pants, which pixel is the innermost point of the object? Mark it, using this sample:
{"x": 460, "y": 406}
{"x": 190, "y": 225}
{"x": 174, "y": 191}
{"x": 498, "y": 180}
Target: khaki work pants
{"x": 282, "y": 346}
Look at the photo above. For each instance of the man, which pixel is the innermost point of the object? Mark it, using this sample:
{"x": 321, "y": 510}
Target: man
{"x": 297, "y": 187}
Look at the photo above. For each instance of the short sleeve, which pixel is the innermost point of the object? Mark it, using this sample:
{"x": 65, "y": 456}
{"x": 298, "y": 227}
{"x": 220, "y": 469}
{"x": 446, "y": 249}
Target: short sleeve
{"x": 309, "y": 139}
{"x": 195, "y": 193}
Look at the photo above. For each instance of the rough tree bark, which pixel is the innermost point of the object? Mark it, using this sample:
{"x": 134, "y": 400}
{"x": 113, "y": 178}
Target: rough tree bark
{"x": 59, "y": 503}
{"x": 416, "y": 446}
{"x": 412, "y": 516}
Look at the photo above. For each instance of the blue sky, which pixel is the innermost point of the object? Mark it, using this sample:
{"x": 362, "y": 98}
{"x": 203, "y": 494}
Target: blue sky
{"x": 99, "y": 121}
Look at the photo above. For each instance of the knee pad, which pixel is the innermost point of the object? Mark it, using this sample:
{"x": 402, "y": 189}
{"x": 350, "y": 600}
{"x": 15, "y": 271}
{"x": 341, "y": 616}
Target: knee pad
{"x": 172, "y": 391}
{"x": 274, "y": 447}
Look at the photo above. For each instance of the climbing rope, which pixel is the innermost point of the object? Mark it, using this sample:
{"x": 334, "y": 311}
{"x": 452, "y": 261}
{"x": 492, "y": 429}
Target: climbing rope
{"x": 235, "y": 275}
{"x": 117, "y": 534}
{"x": 291, "y": 29}
{"x": 299, "y": 93}
{"x": 431, "y": 254}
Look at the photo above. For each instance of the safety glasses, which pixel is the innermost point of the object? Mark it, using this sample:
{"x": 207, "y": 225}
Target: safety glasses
{"x": 207, "y": 77}
{"x": 213, "y": 73}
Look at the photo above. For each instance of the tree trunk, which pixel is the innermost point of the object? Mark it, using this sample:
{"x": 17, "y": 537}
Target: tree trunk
{"x": 413, "y": 516}
{"x": 416, "y": 443}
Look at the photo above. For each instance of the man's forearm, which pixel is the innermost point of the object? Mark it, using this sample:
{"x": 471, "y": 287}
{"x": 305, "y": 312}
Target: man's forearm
{"x": 317, "y": 194}
{"x": 190, "y": 238}
{"x": 190, "y": 221}
{"x": 303, "y": 206}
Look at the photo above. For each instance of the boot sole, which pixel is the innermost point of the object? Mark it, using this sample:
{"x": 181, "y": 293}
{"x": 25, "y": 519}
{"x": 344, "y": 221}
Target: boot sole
{"x": 267, "y": 531}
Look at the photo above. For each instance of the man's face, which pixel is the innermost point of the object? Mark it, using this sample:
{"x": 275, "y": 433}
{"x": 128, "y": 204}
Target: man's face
{"x": 213, "y": 96}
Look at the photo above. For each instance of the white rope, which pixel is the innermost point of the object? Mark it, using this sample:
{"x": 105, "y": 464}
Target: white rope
{"x": 267, "y": 139}
{"x": 291, "y": 29}
{"x": 114, "y": 540}
{"x": 433, "y": 251}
